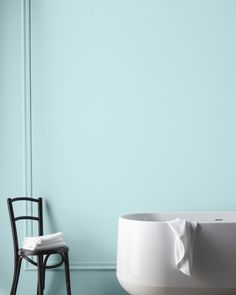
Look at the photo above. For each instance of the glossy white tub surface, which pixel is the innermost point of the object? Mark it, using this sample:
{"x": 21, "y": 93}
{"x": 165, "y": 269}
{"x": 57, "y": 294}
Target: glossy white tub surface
{"x": 145, "y": 255}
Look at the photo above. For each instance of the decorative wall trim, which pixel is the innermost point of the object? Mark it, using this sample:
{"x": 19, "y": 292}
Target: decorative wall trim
{"x": 28, "y": 169}
{"x": 82, "y": 266}
{"x": 26, "y": 51}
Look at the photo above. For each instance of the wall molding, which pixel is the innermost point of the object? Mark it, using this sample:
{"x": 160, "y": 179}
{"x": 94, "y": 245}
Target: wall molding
{"x": 26, "y": 74}
{"x": 28, "y": 150}
{"x": 74, "y": 266}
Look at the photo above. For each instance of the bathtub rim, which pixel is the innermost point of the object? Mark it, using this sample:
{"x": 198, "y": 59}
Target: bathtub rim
{"x": 130, "y": 216}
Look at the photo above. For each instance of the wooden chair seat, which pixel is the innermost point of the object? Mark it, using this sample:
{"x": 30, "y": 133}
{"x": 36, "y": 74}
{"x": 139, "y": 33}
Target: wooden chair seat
{"x": 54, "y": 250}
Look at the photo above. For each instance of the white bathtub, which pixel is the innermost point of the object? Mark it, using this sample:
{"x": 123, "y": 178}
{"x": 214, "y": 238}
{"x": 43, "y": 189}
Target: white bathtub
{"x": 145, "y": 255}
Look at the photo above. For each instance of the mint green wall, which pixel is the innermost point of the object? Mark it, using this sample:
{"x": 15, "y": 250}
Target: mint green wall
{"x": 11, "y": 126}
{"x": 133, "y": 109}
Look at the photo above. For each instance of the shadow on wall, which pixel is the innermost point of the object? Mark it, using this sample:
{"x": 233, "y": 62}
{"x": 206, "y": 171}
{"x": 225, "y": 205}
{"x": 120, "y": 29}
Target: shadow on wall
{"x": 52, "y": 225}
{"x": 111, "y": 286}
{"x": 55, "y": 280}
{"x": 55, "y": 283}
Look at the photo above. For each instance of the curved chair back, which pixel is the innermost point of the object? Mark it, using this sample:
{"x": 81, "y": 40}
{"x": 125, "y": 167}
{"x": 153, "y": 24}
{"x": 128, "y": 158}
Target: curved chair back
{"x": 14, "y": 219}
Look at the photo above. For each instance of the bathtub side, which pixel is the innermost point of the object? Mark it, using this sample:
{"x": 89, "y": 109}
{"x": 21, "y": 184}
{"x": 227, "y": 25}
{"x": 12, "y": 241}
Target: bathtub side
{"x": 146, "y": 255}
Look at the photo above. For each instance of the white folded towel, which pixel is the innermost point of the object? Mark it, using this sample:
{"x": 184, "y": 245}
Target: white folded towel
{"x": 50, "y": 246}
{"x": 43, "y": 242}
{"x": 185, "y": 232}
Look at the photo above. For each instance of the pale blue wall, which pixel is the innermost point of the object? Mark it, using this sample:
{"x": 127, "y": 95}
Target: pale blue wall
{"x": 133, "y": 109}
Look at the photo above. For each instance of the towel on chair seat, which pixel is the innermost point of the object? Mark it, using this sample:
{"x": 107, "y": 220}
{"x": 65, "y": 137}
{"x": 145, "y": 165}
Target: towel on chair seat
{"x": 44, "y": 242}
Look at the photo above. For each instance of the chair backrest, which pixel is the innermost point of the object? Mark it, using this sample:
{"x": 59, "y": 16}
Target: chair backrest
{"x": 14, "y": 219}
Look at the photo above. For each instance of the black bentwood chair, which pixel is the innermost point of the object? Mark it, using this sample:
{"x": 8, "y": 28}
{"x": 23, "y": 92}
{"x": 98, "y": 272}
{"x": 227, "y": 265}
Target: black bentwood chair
{"x": 42, "y": 255}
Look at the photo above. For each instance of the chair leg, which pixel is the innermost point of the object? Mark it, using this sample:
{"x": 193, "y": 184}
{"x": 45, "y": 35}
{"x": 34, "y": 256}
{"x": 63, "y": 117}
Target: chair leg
{"x": 67, "y": 273}
{"x": 44, "y": 274}
{"x": 17, "y": 267}
{"x": 40, "y": 275}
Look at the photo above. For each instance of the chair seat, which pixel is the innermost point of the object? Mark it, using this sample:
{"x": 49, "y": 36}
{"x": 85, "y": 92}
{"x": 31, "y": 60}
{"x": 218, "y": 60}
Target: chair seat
{"x": 44, "y": 251}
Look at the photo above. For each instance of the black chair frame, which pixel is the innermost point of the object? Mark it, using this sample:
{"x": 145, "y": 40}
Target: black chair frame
{"x": 42, "y": 255}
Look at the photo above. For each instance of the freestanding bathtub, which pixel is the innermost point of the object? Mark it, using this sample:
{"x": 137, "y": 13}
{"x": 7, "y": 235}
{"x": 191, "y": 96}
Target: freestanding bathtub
{"x": 146, "y": 262}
